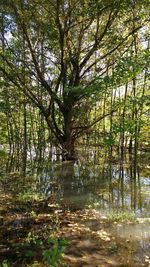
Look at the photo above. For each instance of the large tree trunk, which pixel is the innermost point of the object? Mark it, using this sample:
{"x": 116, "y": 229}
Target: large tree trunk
{"x": 68, "y": 148}
{"x": 65, "y": 137}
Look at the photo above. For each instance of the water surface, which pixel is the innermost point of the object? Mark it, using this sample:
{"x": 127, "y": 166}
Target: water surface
{"x": 110, "y": 188}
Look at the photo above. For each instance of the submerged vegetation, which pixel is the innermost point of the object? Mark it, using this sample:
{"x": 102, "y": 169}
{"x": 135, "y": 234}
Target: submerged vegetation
{"x": 74, "y": 133}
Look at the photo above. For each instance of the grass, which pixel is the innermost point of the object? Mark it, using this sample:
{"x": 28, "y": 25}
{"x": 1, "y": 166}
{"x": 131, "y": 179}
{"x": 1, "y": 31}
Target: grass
{"x": 121, "y": 216}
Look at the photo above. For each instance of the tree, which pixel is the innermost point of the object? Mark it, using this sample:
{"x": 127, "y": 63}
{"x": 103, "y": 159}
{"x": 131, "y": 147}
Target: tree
{"x": 68, "y": 49}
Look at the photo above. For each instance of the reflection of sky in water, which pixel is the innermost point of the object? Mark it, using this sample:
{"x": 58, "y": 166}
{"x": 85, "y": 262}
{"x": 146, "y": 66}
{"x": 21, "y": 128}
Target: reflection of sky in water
{"x": 132, "y": 231}
{"x": 139, "y": 233}
{"x": 145, "y": 181}
{"x": 107, "y": 187}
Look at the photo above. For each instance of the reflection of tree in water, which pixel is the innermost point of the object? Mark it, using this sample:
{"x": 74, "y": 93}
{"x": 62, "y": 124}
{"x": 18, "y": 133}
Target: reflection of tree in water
{"x": 105, "y": 186}
{"x": 125, "y": 187}
{"x": 73, "y": 184}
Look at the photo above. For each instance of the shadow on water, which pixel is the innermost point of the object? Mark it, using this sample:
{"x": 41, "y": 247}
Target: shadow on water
{"x": 106, "y": 187}
{"x": 111, "y": 188}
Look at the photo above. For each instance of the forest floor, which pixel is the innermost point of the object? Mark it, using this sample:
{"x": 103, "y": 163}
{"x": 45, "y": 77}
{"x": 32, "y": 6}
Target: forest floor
{"x": 33, "y": 234}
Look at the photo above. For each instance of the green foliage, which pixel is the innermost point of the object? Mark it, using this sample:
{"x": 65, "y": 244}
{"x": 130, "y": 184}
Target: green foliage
{"x": 28, "y": 195}
{"x": 124, "y": 71}
{"x": 54, "y": 255}
{"x": 5, "y": 263}
{"x": 120, "y": 216}
{"x": 64, "y": 64}
{"x": 51, "y": 249}
{"x": 3, "y": 128}
{"x": 34, "y": 240}
{"x": 109, "y": 140}
{"x": 113, "y": 249}
{"x": 128, "y": 127}
{"x": 29, "y": 254}
{"x": 2, "y": 107}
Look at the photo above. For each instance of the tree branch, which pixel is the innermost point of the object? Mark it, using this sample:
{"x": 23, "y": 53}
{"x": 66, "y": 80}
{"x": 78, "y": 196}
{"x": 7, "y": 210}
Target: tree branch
{"x": 97, "y": 40}
{"x": 85, "y": 128}
{"x": 33, "y": 54}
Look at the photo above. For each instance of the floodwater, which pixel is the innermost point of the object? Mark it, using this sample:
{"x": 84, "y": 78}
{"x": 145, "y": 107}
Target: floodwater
{"x": 116, "y": 190}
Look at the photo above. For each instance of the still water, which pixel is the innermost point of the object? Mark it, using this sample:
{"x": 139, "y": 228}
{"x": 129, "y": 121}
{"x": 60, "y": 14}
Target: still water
{"x": 110, "y": 188}
{"x": 106, "y": 187}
